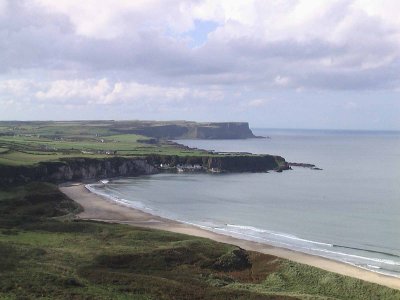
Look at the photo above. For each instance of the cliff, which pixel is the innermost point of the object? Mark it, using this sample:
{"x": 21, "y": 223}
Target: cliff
{"x": 225, "y": 163}
{"x": 75, "y": 169}
{"x": 192, "y": 130}
{"x": 231, "y": 130}
{"x": 90, "y": 169}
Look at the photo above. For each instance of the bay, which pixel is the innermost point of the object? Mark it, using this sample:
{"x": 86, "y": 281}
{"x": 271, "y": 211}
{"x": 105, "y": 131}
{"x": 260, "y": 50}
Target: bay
{"x": 349, "y": 211}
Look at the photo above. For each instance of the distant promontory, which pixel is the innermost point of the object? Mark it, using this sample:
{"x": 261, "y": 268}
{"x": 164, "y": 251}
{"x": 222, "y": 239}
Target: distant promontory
{"x": 189, "y": 130}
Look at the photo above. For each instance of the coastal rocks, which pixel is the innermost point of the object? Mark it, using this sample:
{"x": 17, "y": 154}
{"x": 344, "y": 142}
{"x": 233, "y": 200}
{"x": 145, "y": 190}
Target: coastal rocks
{"x": 282, "y": 167}
{"x": 303, "y": 165}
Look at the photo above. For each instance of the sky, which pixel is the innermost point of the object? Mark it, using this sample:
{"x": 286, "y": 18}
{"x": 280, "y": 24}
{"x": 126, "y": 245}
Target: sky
{"x": 276, "y": 64}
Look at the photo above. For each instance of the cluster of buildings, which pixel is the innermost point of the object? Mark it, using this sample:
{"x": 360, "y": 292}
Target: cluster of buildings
{"x": 183, "y": 168}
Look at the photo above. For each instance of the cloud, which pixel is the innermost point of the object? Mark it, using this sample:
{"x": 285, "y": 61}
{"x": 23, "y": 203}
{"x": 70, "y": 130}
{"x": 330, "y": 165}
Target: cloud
{"x": 15, "y": 87}
{"x": 102, "y": 19}
{"x": 251, "y": 41}
{"x": 193, "y": 52}
{"x": 281, "y": 80}
{"x": 3, "y": 6}
{"x": 256, "y": 103}
{"x": 103, "y": 92}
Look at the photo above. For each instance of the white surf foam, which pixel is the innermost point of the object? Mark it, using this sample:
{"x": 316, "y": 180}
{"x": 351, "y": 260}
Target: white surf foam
{"x": 278, "y": 239}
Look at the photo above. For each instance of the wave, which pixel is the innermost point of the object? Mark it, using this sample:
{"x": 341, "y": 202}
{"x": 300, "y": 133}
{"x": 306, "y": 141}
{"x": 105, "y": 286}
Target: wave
{"x": 279, "y": 239}
{"x": 376, "y": 269}
{"x": 367, "y": 250}
{"x": 378, "y": 260}
{"x": 129, "y": 203}
{"x": 285, "y": 235}
{"x": 369, "y": 263}
{"x": 293, "y": 237}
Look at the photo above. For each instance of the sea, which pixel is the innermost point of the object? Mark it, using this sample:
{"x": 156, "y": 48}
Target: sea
{"x": 349, "y": 211}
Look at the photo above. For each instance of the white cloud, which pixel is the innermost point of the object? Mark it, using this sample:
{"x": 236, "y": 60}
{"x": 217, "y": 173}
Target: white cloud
{"x": 257, "y": 103}
{"x": 139, "y": 53}
{"x": 133, "y": 91}
{"x": 15, "y": 87}
{"x": 66, "y": 90}
{"x": 103, "y": 92}
{"x": 315, "y": 44}
{"x": 3, "y": 6}
{"x": 110, "y": 19}
{"x": 91, "y": 18}
{"x": 281, "y": 81}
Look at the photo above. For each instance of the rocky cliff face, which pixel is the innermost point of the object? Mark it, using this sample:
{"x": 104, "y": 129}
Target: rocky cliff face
{"x": 258, "y": 163}
{"x": 226, "y": 163}
{"x": 76, "y": 169}
{"x": 88, "y": 168}
{"x": 191, "y": 130}
{"x": 232, "y": 130}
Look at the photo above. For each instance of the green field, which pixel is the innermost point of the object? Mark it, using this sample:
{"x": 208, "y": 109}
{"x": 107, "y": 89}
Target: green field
{"x": 27, "y": 143}
{"x": 46, "y": 254}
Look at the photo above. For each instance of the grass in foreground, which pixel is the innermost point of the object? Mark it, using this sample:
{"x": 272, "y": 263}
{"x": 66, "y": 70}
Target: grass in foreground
{"x": 46, "y": 254}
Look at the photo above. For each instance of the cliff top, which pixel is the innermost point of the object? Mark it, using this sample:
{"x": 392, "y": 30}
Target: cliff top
{"x": 27, "y": 143}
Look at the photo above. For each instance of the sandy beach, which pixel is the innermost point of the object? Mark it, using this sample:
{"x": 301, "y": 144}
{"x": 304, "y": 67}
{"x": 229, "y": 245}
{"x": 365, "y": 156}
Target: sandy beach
{"x": 102, "y": 209}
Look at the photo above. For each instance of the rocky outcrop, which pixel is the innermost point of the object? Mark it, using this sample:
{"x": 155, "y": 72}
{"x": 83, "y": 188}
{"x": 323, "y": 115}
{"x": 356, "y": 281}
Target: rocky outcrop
{"x": 90, "y": 168}
{"x": 304, "y": 165}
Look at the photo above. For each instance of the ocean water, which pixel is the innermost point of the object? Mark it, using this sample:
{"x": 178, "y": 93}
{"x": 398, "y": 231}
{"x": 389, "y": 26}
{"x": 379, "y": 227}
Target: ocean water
{"x": 349, "y": 211}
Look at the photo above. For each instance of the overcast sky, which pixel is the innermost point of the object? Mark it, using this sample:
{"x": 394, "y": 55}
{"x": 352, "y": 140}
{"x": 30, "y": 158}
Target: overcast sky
{"x": 278, "y": 63}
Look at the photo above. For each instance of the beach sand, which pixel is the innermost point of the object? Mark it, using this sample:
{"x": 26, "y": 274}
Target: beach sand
{"x": 103, "y": 209}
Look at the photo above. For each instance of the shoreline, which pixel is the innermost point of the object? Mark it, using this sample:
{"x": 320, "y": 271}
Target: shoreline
{"x": 100, "y": 208}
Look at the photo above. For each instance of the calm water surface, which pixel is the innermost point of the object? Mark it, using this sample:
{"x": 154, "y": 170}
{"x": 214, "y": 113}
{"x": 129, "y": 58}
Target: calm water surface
{"x": 349, "y": 211}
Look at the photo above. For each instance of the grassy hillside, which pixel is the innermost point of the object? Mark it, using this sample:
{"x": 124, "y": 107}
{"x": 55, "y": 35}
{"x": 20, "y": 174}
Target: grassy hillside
{"x": 25, "y": 143}
{"x": 46, "y": 254}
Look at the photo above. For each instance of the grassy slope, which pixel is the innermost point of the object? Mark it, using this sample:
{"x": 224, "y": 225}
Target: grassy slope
{"x": 27, "y": 144}
{"x": 45, "y": 254}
